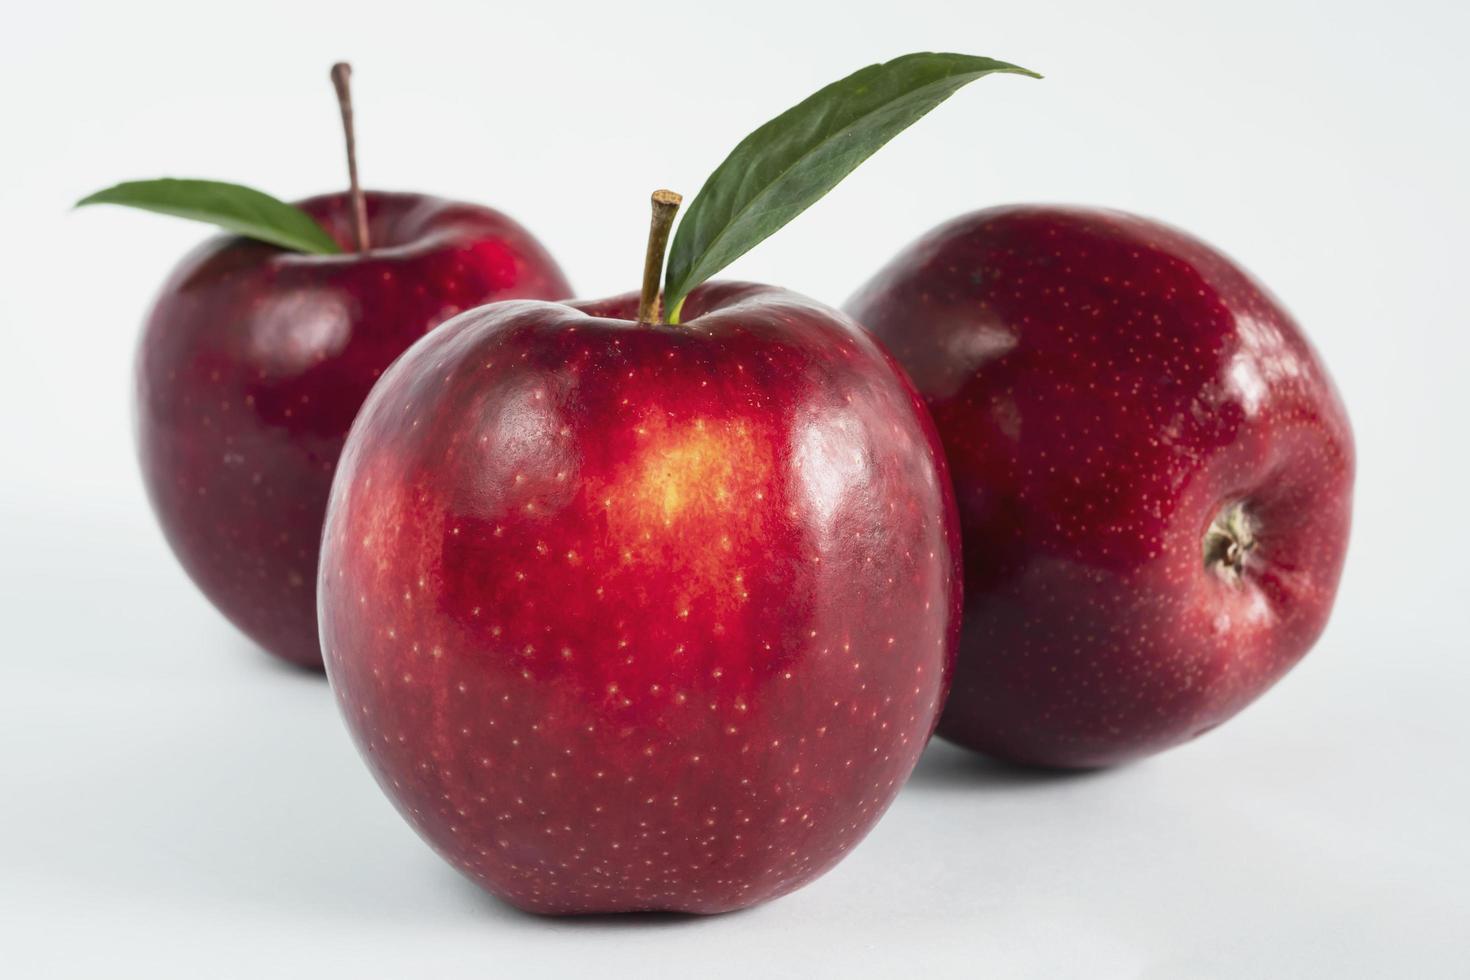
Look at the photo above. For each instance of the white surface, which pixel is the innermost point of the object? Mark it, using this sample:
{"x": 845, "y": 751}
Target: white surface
{"x": 174, "y": 804}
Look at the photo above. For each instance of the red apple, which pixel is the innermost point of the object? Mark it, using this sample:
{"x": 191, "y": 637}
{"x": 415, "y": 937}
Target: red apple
{"x": 1153, "y": 470}
{"x": 254, "y": 362}
{"x": 631, "y": 616}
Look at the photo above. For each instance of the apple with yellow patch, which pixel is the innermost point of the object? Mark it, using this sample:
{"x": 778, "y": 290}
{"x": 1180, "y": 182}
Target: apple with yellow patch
{"x": 627, "y": 615}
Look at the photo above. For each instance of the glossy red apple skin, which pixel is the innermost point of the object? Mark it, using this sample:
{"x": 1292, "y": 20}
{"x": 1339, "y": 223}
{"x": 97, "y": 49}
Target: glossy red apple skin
{"x": 628, "y": 617}
{"x": 253, "y": 364}
{"x": 1104, "y": 386}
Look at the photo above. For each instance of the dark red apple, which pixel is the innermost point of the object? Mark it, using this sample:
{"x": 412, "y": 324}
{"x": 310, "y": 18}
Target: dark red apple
{"x": 1153, "y": 470}
{"x": 254, "y": 362}
{"x": 630, "y": 616}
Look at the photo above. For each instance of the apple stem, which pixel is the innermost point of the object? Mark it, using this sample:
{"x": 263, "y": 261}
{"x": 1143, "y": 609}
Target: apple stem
{"x": 342, "y": 81}
{"x": 650, "y": 301}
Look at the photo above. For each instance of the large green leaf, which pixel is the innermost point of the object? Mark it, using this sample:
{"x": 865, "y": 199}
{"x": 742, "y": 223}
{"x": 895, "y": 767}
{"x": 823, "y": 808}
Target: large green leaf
{"x": 785, "y": 166}
{"x": 239, "y": 209}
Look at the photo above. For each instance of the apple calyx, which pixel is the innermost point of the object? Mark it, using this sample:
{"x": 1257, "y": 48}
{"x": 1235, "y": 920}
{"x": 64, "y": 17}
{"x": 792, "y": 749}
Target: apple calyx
{"x": 650, "y": 300}
{"x": 1228, "y": 542}
{"x": 342, "y": 82}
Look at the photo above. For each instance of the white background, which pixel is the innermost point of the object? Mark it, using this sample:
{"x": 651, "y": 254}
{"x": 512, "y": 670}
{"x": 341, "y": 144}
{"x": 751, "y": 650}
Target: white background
{"x": 172, "y": 803}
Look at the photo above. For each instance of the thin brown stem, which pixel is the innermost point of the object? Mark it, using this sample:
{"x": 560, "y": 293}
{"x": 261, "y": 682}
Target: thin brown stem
{"x": 650, "y": 301}
{"x": 342, "y": 81}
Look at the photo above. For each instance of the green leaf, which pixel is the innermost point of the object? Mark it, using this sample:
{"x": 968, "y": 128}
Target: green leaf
{"x": 785, "y": 166}
{"x": 238, "y": 209}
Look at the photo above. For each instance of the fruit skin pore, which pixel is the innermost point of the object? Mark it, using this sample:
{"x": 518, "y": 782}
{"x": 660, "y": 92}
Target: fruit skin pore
{"x": 628, "y": 617}
{"x": 253, "y": 364}
{"x": 1108, "y": 389}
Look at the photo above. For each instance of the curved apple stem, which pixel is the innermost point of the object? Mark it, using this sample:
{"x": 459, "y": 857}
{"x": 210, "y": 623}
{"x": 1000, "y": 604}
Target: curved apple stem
{"x": 342, "y": 81}
{"x": 650, "y": 300}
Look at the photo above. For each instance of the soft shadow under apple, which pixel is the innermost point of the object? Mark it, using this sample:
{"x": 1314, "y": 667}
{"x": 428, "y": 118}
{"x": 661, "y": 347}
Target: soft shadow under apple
{"x": 604, "y": 922}
{"x": 945, "y": 766}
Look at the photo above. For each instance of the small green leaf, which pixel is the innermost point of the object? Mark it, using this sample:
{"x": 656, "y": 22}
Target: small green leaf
{"x": 785, "y": 166}
{"x": 238, "y": 209}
